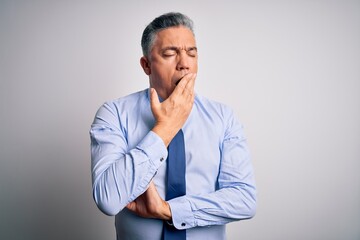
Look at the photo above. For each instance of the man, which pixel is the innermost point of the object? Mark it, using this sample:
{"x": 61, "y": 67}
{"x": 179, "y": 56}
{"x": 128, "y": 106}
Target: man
{"x": 131, "y": 162}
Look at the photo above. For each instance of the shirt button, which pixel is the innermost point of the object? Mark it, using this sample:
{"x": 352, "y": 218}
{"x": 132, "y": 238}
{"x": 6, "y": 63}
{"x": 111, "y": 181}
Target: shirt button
{"x": 161, "y": 159}
{"x": 183, "y": 224}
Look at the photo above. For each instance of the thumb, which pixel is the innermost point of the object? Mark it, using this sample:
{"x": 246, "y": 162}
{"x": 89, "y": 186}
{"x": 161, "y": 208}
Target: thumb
{"x": 131, "y": 206}
{"x": 154, "y": 100}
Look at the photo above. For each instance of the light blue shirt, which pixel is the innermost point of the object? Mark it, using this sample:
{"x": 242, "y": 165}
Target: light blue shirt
{"x": 126, "y": 155}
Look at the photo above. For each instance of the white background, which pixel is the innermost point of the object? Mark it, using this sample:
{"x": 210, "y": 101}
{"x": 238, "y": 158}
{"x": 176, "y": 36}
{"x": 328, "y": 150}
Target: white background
{"x": 289, "y": 69}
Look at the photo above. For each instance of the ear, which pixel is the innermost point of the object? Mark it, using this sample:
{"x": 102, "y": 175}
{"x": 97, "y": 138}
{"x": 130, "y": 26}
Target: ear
{"x": 145, "y": 64}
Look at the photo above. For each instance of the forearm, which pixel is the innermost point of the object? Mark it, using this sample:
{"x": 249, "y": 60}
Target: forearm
{"x": 119, "y": 178}
{"x": 216, "y": 208}
{"x": 235, "y": 195}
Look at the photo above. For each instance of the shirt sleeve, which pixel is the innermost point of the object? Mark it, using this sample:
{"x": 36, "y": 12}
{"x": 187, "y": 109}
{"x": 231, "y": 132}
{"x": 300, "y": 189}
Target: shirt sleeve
{"x": 119, "y": 174}
{"x": 235, "y": 198}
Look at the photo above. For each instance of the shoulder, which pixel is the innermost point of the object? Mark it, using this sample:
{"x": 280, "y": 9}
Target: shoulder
{"x": 217, "y": 115}
{"x": 119, "y": 107}
{"x": 212, "y": 107}
{"x": 125, "y": 103}
{"x": 128, "y": 101}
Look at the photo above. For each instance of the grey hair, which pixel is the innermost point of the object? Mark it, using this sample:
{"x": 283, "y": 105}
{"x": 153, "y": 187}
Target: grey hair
{"x": 164, "y": 21}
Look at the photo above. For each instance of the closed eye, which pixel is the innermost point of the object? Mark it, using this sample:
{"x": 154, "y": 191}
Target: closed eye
{"x": 172, "y": 51}
{"x": 169, "y": 51}
{"x": 192, "y": 52}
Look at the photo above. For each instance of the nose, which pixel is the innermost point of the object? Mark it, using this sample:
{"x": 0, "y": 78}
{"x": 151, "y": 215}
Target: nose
{"x": 183, "y": 61}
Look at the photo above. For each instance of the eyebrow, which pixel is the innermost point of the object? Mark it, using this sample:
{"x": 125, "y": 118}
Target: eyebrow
{"x": 176, "y": 48}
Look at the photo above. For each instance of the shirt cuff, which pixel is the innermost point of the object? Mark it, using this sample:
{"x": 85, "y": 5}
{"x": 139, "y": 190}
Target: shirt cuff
{"x": 182, "y": 215}
{"x": 153, "y": 146}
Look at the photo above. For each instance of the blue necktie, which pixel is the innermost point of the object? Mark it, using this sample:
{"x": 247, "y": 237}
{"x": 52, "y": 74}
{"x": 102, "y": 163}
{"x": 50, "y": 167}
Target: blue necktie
{"x": 176, "y": 185}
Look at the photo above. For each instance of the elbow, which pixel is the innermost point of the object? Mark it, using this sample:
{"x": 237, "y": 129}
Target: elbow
{"x": 107, "y": 209}
{"x": 106, "y": 204}
{"x": 247, "y": 204}
{"x": 250, "y": 203}
{"x": 251, "y": 209}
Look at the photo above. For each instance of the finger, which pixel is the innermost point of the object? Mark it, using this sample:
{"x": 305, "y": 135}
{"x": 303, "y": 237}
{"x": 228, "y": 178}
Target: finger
{"x": 185, "y": 87}
{"x": 186, "y": 83}
{"x": 183, "y": 81}
{"x": 189, "y": 87}
{"x": 130, "y": 206}
{"x": 191, "y": 83}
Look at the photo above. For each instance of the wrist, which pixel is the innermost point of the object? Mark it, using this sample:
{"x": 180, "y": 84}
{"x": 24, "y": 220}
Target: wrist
{"x": 165, "y": 133}
{"x": 166, "y": 215}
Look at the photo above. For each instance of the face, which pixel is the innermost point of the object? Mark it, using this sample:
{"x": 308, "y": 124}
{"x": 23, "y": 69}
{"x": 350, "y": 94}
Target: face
{"x": 173, "y": 55}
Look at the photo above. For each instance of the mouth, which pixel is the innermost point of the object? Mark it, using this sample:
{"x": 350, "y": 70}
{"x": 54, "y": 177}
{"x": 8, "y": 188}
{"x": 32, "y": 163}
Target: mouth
{"x": 177, "y": 82}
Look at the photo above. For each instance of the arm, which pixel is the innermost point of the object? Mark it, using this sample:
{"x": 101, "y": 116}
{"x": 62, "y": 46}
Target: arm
{"x": 120, "y": 176}
{"x": 170, "y": 116}
{"x": 235, "y": 197}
